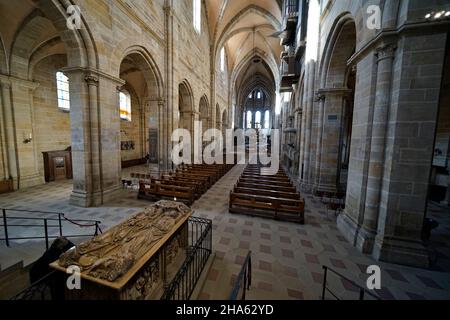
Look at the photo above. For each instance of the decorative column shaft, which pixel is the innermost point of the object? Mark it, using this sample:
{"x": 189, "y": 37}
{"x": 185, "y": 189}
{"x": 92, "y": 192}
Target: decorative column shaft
{"x": 385, "y": 57}
{"x": 8, "y": 132}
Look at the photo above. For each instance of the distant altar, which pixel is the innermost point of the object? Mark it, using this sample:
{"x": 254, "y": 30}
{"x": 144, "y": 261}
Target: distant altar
{"x": 134, "y": 260}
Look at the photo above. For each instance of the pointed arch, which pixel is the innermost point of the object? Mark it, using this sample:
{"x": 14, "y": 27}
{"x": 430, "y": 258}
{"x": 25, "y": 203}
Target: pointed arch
{"x": 345, "y": 20}
{"x": 142, "y": 58}
{"x": 51, "y": 15}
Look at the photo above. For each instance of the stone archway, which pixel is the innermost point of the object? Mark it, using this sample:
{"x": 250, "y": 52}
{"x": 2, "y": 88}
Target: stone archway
{"x": 140, "y": 131}
{"x": 41, "y": 35}
{"x": 186, "y": 107}
{"x": 204, "y": 113}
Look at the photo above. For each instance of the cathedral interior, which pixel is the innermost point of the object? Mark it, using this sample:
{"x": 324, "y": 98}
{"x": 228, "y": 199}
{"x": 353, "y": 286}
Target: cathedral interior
{"x": 348, "y": 99}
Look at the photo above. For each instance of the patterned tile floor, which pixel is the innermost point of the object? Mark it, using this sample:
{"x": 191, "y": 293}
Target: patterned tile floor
{"x": 287, "y": 258}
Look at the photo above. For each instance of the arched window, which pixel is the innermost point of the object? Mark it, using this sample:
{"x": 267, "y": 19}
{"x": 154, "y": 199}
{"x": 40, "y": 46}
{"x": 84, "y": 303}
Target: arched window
{"x": 249, "y": 119}
{"x": 197, "y": 4}
{"x": 267, "y": 120}
{"x": 222, "y": 59}
{"x": 250, "y": 96}
{"x": 125, "y": 106}
{"x": 258, "y": 120}
{"x": 258, "y": 95}
{"x": 62, "y": 86}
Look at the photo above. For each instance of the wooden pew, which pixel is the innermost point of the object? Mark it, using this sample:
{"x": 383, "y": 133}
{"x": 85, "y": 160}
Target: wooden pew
{"x": 207, "y": 179}
{"x": 276, "y": 208}
{"x": 265, "y": 181}
{"x": 269, "y": 193}
{"x": 252, "y": 185}
{"x": 258, "y": 173}
{"x": 271, "y": 178}
{"x": 159, "y": 190}
{"x": 187, "y": 183}
{"x": 194, "y": 186}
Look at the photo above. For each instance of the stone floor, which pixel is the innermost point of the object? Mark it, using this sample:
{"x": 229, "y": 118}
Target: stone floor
{"x": 287, "y": 258}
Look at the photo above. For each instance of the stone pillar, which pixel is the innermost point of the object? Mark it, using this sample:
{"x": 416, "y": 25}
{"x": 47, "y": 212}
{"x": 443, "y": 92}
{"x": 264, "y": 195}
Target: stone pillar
{"x": 416, "y": 85}
{"x": 23, "y": 123}
{"x": 3, "y": 147}
{"x": 163, "y": 138}
{"x": 385, "y": 57}
{"x": 307, "y": 131}
{"x": 95, "y": 123}
{"x": 168, "y": 106}
{"x": 9, "y": 133}
{"x": 350, "y": 222}
{"x": 213, "y": 92}
{"x": 331, "y": 105}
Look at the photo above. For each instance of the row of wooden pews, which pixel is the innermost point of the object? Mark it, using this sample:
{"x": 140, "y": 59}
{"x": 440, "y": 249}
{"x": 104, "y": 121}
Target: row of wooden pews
{"x": 267, "y": 196}
{"x": 187, "y": 184}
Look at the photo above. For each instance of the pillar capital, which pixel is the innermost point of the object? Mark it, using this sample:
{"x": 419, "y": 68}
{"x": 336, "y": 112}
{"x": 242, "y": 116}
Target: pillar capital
{"x": 93, "y": 73}
{"x": 318, "y": 97}
{"x": 161, "y": 102}
{"x": 8, "y": 81}
{"x": 386, "y": 51}
{"x": 321, "y": 94}
{"x": 92, "y": 80}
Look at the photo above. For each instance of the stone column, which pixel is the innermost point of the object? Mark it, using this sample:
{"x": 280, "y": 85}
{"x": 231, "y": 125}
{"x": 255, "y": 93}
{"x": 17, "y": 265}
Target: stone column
{"x": 22, "y": 108}
{"x": 308, "y": 115}
{"x": 95, "y": 123}
{"x": 163, "y": 139}
{"x": 416, "y": 85}
{"x": 168, "y": 106}
{"x": 328, "y": 140}
{"x": 3, "y": 147}
{"x": 385, "y": 57}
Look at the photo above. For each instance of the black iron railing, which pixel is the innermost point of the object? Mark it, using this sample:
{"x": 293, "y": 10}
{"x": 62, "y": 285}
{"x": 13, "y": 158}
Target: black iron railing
{"x": 52, "y": 228}
{"x": 361, "y": 290}
{"x": 198, "y": 253}
{"x": 43, "y": 290}
{"x": 243, "y": 280}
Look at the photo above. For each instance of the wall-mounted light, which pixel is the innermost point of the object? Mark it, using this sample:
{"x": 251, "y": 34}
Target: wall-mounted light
{"x": 28, "y": 139}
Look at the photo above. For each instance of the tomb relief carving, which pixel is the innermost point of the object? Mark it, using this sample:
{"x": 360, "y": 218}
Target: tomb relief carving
{"x": 110, "y": 255}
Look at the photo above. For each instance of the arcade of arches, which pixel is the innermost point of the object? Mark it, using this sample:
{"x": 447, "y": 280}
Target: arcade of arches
{"x": 363, "y": 116}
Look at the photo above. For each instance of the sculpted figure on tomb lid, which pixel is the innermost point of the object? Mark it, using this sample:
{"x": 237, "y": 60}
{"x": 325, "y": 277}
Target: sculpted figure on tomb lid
{"x": 112, "y": 254}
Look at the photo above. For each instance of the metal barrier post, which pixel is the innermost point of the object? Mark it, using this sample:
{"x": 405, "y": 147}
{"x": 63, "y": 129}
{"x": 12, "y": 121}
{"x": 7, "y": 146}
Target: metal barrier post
{"x": 60, "y": 225}
{"x": 46, "y": 233}
{"x": 361, "y": 294}
{"x": 5, "y": 225}
{"x": 324, "y": 284}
